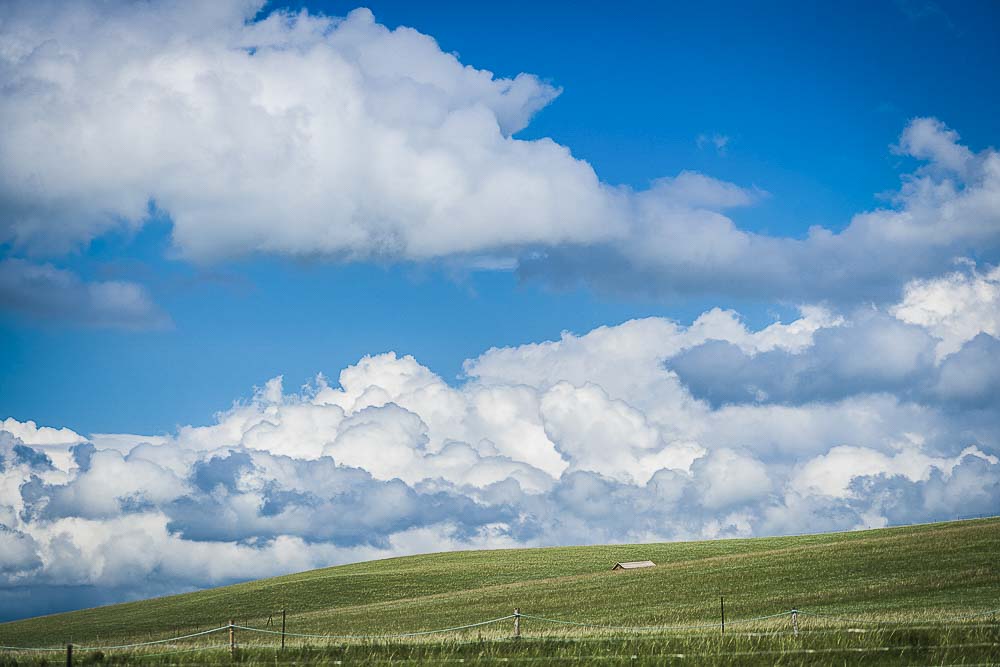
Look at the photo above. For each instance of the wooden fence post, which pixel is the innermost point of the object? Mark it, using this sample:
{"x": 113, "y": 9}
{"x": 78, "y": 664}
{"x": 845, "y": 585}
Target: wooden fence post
{"x": 282, "y": 629}
{"x": 232, "y": 640}
{"x": 795, "y": 622}
{"x": 69, "y": 655}
{"x": 722, "y": 605}
{"x": 517, "y": 623}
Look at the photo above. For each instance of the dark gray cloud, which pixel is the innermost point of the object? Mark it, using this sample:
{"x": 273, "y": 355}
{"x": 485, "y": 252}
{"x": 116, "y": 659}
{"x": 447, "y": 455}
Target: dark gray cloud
{"x": 351, "y": 508}
{"x": 46, "y": 293}
{"x": 972, "y": 489}
{"x": 82, "y": 455}
{"x": 874, "y": 353}
{"x": 842, "y": 270}
{"x": 18, "y": 553}
{"x": 14, "y": 452}
{"x": 224, "y": 471}
{"x": 970, "y": 378}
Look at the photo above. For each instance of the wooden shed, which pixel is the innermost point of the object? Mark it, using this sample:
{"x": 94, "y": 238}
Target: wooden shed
{"x": 633, "y": 565}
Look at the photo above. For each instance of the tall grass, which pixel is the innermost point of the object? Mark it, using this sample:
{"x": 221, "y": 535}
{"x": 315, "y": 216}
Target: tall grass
{"x": 970, "y": 644}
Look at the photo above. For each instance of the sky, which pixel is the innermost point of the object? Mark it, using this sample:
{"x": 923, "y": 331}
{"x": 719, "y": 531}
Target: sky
{"x": 481, "y": 274}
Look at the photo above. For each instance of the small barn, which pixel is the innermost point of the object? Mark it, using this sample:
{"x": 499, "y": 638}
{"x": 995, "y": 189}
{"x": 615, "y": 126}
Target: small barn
{"x": 633, "y": 565}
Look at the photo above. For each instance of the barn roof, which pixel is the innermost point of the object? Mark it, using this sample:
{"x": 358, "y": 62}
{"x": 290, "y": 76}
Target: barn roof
{"x": 633, "y": 565}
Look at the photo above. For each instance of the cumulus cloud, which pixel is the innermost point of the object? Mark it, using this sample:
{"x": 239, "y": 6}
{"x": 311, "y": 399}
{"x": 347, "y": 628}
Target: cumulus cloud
{"x": 32, "y": 434}
{"x": 938, "y": 345}
{"x": 972, "y": 482}
{"x": 872, "y": 353}
{"x": 602, "y": 437}
{"x": 43, "y": 292}
{"x": 296, "y": 134}
{"x": 954, "y": 308}
{"x": 302, "y": 134}
{"x": 944, "y": 209}
{"x": 834, "y": 474}
{"x": 55, "y": 443}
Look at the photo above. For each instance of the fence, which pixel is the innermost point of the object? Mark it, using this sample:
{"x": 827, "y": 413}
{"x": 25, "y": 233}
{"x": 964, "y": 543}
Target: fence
{"x": 517, "y": 619}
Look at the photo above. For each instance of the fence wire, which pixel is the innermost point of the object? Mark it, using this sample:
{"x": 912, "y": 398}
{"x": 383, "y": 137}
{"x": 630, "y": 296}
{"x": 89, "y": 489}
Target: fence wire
{"x": 873, "y": 621}
{"x": 401, "y": 635}
{"x": 458, "y": 628}
{"x": 150, "y": 643}
{"x": 651, "y": 628}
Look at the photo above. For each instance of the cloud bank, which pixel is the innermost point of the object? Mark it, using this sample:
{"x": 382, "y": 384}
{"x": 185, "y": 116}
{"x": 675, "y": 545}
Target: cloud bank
{"x": 306, "y": 135}
{"x": 647, "y": 430}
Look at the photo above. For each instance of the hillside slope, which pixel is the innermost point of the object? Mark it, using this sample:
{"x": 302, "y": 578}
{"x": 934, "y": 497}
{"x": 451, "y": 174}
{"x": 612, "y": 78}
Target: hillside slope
{"x": 912, "y": 573}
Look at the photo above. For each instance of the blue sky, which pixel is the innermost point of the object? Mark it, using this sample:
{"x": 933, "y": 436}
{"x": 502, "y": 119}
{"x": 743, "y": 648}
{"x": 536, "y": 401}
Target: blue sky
{"x": 722, "y": 269}
{"x": 809, "y": 98}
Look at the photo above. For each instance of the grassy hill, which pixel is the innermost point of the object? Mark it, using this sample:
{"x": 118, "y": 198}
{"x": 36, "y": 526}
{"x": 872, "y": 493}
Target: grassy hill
{"x": 912, "y": 572}
{"x": 913, "y": 575}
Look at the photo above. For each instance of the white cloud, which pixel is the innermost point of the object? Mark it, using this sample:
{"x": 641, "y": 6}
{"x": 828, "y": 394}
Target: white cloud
{"x": 54, "y": 443}
{"x": 597, "y": 434}
{"x": 955, "y": 308}
{"x": 690, "y": 191}
{"x": 110, "y": 483}
{"x": 300, "y": 134}
{"x": 32, "y": 434}
{"x": 542, "y": 444}
{"x": 930, "y": 139}
{"x": 727, "y": 478}
{"x": 831, "y": 473}
{"x": 945, "y": 209}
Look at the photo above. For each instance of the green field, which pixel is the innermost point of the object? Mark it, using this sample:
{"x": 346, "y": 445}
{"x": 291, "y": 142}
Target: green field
{"x": 919, "y": 593}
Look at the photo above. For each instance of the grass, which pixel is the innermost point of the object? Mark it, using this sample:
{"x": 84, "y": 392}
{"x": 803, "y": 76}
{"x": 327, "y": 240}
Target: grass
{"x": 881, "y": 579}
{"x": 895, "y": 647}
